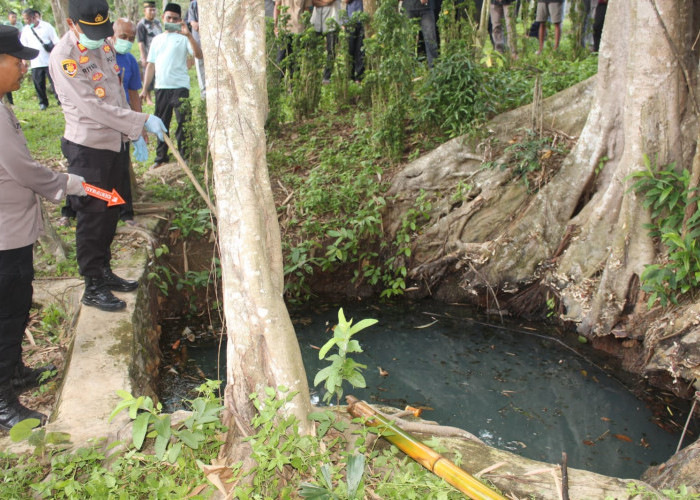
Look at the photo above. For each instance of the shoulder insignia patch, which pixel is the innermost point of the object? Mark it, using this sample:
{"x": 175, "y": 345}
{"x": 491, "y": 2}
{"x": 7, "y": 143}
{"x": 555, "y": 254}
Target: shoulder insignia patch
{"x": 70, "y": 67}
{"x": 97, "y": 77}
{"x": 83, "y": 59}
{"x": 106, "y": 48}
{"x": 100, "y": 92}
{"x": 81, "y": 47}
{"x": 117, "y": 68}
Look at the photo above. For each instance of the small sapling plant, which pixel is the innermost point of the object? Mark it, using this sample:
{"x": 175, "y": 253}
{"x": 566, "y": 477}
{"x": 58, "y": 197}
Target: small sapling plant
{"x": 342, "y": 367}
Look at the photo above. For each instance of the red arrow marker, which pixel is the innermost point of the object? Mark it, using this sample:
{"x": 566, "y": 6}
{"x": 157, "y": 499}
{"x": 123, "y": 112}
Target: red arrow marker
{"x": 112, "y": 198}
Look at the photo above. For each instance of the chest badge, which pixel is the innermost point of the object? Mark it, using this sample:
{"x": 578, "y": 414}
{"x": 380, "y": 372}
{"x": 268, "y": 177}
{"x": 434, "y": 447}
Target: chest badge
{"x": 117, "y": 68}
{"x": 97, "y": 77}
{"x": 100, "y": 92}
{"x": 69, "y": 67}
{"x": 83, "y": 59}
{"x": 106, "y": 48}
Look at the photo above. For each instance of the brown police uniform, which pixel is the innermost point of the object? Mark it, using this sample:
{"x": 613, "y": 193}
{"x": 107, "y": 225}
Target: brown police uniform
{"x": 99, "y": 124}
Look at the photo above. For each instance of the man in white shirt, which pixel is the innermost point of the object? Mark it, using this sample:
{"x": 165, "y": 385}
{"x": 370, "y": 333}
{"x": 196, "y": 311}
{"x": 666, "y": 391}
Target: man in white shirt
{"x": 39, "y": 35}
{"x": 167, "y": 60}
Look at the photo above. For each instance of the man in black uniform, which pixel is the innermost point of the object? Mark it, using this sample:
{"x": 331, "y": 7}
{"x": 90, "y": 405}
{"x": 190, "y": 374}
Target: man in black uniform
{"x": 99, "y": 124}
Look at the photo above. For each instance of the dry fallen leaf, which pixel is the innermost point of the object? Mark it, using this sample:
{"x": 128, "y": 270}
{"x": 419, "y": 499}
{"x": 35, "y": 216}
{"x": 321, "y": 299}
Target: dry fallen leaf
{"x": 383, "y": 372}
{"x": 622, "y": 437}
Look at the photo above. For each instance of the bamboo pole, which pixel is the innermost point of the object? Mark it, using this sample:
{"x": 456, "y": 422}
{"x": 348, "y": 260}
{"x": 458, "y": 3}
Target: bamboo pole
{"x": 189, "y": 173}
{"x": 423, "y": 454}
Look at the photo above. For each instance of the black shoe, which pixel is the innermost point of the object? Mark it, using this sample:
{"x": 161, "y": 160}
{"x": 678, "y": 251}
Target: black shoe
{"x": 13, "y": 412}
{"x": 43, "y": 107}
{"x": 27, "y": 378}
{"x": 98, "y": 295}
{"x": 117, "y": 284}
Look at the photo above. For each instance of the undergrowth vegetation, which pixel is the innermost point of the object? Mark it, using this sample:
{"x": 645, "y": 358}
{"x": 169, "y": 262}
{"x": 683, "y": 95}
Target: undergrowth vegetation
{"x": 674, "y": 205}
{"x": 331, "y": 163}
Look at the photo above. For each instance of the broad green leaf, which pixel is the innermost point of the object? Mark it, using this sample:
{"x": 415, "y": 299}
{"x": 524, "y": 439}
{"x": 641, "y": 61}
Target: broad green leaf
{"x": 22, "y": 430}
{"x": 138, "y": 433}
{"x": 326, "y": 347}
{"x": 365, "y": 323}
{"x": 356, "y": 468}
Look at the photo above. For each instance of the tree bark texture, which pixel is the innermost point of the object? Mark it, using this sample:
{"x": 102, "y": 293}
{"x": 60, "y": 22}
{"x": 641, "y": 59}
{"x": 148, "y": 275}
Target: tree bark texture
{"x": 581, "y": 235}
{"x": 262, "y": 349}
{"x": 60, "y": 13}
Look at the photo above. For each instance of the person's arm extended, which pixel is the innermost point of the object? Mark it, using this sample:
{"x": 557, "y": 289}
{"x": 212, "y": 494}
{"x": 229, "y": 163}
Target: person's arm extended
{"x": 147, "y": 78}
{"x": 196, "y": 49}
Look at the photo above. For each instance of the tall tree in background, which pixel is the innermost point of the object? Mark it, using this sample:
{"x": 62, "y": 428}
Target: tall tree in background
{"x": 262, "y": 347}
{"x": 60, "y": 13}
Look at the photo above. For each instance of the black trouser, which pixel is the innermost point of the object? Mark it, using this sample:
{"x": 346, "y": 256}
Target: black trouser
{"x": 167, "y": 101}
{"x": 356, "y": 36}
{"x": 286, "y": 42}
{"x": 97, "y": 222}
{"x": 598, "y": 23}
{"x": 16, "y": 274}
{"x": 126, "y": 211}
{"x": 331, "y": 42}
{"x": 39, "y": 76}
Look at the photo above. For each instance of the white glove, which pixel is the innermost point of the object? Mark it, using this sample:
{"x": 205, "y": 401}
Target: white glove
{"x": 74, "y": 186}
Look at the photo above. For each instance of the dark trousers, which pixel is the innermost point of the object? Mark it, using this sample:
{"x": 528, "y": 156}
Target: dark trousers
{"x": 356, "y": 36}
{"x": 598, "y": 23}
{"x": 126, "y": 211}
{"x": 97, "y": 223}
{"x": 427, "y": 26}
{"x": 16, "y": 274}
{"x": 39, "y": 76}
{"x": 286, "y": 43}
{"x": 331, "y": 42}
{"x": 167, "y": 102}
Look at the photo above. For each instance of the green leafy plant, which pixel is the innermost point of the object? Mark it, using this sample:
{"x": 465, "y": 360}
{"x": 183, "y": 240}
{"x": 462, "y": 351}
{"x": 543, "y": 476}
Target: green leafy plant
{"x": 526, "y": 155}
{"x": 391, "y": 64}
{"x": 149, "y": 422}
{"x": 342, "y": 368}
{"x": 36, "y": 436}
{"x": 355, "y": 471}
{"x": 451, "y": 97}
{"x": 668, "y": 196}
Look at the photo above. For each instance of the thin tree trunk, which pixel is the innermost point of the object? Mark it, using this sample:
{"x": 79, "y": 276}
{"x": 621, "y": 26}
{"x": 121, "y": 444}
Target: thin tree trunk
{"x": 262, "y": 348}
{"x": 60, "y": 13}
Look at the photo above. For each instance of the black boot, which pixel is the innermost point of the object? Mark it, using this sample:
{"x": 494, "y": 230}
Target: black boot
{"x": 98, "y": 295}
{"x": 117, "y": 284}
{"x": 27, "y": 378}
{"x": 13, "y": 412}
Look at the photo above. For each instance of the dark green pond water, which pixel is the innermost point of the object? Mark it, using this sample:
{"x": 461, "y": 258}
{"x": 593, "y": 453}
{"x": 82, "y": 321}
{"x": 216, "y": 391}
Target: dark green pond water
{"x": 512, "y": 387}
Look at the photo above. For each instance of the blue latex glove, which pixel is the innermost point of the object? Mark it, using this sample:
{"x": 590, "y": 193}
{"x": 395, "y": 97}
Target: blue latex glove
{"x": 155, "y": 126}
{"x": 140, "y": 150}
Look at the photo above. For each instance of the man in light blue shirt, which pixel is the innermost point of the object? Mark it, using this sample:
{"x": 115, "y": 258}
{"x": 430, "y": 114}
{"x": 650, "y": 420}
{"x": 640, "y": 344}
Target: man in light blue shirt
{"x": 167, "y": 58}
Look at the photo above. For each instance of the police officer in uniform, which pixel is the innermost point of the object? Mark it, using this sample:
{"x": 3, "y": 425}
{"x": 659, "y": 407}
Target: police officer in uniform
{"x": 99, "y": 125}
{"x": 21, "y": 180}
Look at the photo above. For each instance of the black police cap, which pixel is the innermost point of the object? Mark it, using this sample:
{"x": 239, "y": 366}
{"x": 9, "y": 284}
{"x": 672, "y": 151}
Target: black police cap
{"x": 10, "y": 44}
{"x": 92, "y": 16}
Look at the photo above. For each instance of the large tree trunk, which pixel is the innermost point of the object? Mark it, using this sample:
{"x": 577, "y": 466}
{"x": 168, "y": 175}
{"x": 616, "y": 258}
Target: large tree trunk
{"x": 262, "y": 348}
{"x": 581, "y": 237}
